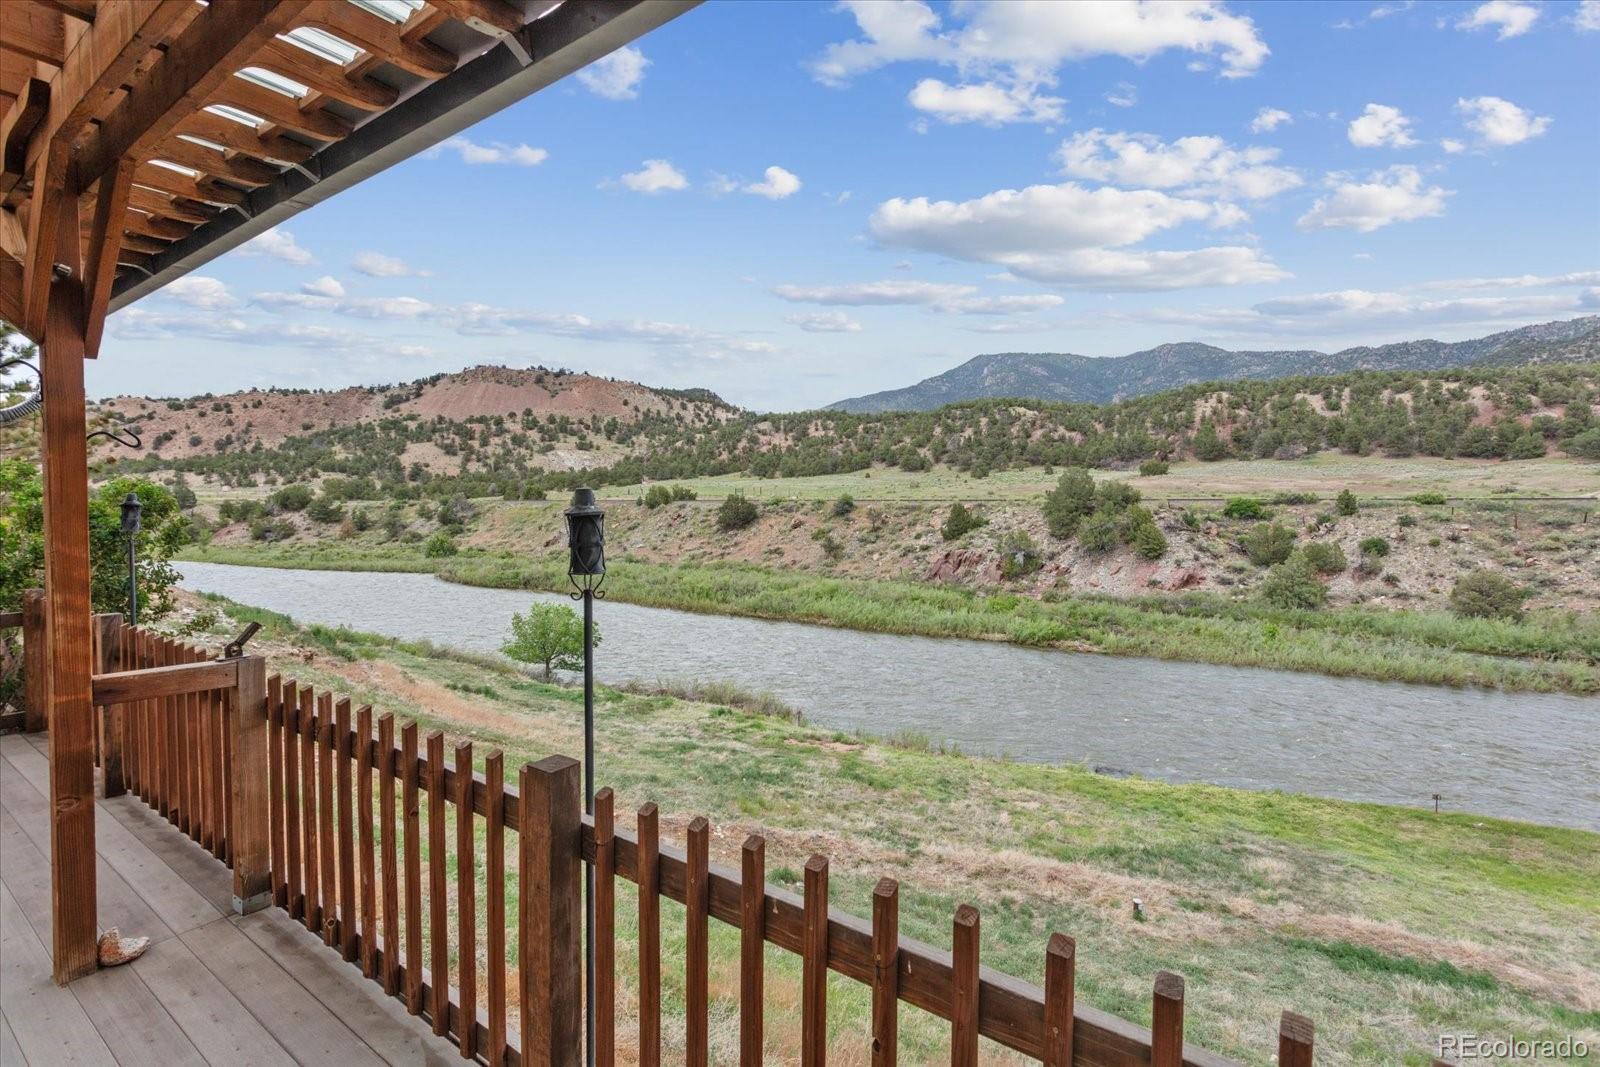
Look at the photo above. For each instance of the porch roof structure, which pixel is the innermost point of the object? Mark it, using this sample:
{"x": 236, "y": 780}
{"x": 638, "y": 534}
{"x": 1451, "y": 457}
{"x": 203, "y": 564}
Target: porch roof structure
{"x": 140, "y": 139}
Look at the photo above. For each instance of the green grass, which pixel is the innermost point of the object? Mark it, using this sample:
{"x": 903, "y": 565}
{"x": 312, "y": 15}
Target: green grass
{"x": 1388, "y": 926}
{"x": 1541, "y": 654}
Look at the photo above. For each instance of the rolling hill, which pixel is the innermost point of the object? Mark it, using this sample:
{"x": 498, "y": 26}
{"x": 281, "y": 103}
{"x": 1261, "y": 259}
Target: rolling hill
{"x": 1085, "y": 379}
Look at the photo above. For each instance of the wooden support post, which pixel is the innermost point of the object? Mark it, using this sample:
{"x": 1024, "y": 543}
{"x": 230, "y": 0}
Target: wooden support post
{"x": 550, "y": 899}
{"x": 249, "y": 835}
{"x": 35, "y": 660}
{"x": 108, "y": 636}
{"x": 70, "y": 713}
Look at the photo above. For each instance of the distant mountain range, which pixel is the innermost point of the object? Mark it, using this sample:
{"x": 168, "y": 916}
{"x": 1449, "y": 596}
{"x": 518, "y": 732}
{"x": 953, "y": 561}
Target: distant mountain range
{"x": 1066, "y": 377}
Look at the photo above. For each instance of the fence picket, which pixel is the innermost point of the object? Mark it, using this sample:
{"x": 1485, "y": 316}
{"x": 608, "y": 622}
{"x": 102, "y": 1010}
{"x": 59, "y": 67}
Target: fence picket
{"x": 649, "y": 881}
{"x": 1060, "y": 979}
{"x": 605, "y": 929}
{"x": 413, "y": 850}
{"x": 466, "y": 902}
{"x": 438, "y": 905}
{"x": 1166, "y": 1021}
{"x": 494, "y": 874}
{"x": 328, "y": 876}
{"x": 343, "y": 765}
{"x": 389, "y": 863}
{"x": 1295, "y": 1034}
{"x": 885, "y": 973}
{"x": 696, "y": 952}
{"x": 752, "y": 937}
{"x": 274, "y": 786}
{"x": 814, "y": 966}
{"x": 366, "y": 845}
{"x": 291, "y": 801}
{"x": 964, "y": 982}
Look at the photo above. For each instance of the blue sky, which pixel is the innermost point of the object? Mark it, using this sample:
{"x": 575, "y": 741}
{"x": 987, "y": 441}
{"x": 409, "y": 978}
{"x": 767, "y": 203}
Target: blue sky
{"x": 790, "y": 203}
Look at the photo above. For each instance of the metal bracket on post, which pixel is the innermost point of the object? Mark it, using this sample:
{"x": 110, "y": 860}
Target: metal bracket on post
{"x": 235, "y": 648}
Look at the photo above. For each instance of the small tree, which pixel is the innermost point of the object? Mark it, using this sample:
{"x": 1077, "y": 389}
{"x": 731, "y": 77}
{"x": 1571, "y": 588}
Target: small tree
{"x": 1098, "y": 533}
{"x": 1293, "y": 584}
{"x": 1243, "y": 507}
{"x": 1066, "y": 505}
{"x": 1346, "y": 502}
{"x": 736, "y": 513}
{"x": 1019, "y": 555}
{"x": 439, "y": 546}
{"x": 1267, "y": 544}
{"x": 655, "y": 496}
{"x": 291, "y": 498}
{"x": 1152, "y": 468}
{"x": 550, "y": 635}
{"x": 843, "y": 506}
{"x": 1483, "y": 594}
{"x": 1149, "y": 541}
{"x": 960, "y": 522}
{"x": 1325, "y": 557}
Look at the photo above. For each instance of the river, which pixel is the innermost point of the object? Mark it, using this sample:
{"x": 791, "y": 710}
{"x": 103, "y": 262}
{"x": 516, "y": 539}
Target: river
{"x": 1517, "y": 755}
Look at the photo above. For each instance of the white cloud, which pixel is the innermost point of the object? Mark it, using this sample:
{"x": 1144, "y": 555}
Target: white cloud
{"x": 1381, "y": 125}
{"x": 1206, "y": 165}
{"x": 776, "y": 185}
{"x": 824, "y": 322}
{"x": 1026, "y": 40}
{"x": 475, "y": 154}
{"x": 865, "y": 294}
{"x": 198, "y": 291}
{"x": 1452, "y": 146}
{"x": 615, "y": 76}
{"x": 1125, "y": 94}
{"x": 378, "y": 265}
{"x": 277, "y": 244}
{"x": 1511, "y": 17}
{"x": 1520, "y": 281}
{"x": 655, "y": 176}
{"x": 1005, "y": 305}
{"x": 1587, "y": 18}
{"x": 1388, "y": 196}
{"x": 989, "y": 103}
{"x": 1269, "y": 119}
{"x": 327, "y": 285}
{"x": 1500, "y": 122}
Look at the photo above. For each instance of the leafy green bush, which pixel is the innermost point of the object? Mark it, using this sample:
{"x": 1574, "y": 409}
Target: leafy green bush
{"x": 1406, "y": 520}
{"x": 960, "y": 522}
{"x": 1019, "y": 555}
{"x": 439, "y": 546}
{"x": 1526, "y": 446}
{"x": 736, "y": 512}
{"x": 1243, "y": 507}
{"x": 1294, "y": 498}
{"x": 1066, "y": 505}
{"x": 1585, "y": 445}
{"x": 361, "y": 519}
{"x": 291, "y": 498}
{"x": 550, "y": 635}
{"x": 1266, "y": 544}
{"x": 1151, "y": 468}
{"x": 1433, "y": 499}
{"x": 843, "y": 506}
{"x": 1149, "y": 541}
{"x": 1325, "y": 557}
{"x": 1346, "y": 503}
{"x": 270, "y": 530}
{"x": 655, "y": 496}
{"x": 1098, "y": 532}
{"x": 1293, "y": 584}
{"x": 679, "y": 492}
{"x": 1374, "y": 546}
{"x": 1115, "y": 496}
{"x": 325, "y": 509}
{"x": 1484, "y": 594}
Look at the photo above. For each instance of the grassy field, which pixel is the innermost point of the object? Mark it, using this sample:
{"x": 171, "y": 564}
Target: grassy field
{"x": 1325, "y": 473}
{"x": 1388, "y": 926}
{"x": 1539, "y": 654}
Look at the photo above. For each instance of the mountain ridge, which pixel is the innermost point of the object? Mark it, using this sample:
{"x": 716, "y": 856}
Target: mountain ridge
{"x": 1072, "y": 378}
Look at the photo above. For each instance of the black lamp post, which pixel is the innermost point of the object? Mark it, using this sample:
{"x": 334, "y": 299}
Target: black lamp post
{"x": 130, "y": 527}
{"x": 586, "y": 569}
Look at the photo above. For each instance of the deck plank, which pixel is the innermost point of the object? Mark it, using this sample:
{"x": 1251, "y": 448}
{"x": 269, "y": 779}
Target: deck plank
{"x": 205, "y": 874}
{"x": 132, "y": 1021}
{"x": 10, "y": 1051}
{"x": 211, "y": 1016}
{"x": 376, "y": 1018}
{"x": 305, "y": 1028}
{"x": 169, "y": 896}
{"x": 49, "y": 1024}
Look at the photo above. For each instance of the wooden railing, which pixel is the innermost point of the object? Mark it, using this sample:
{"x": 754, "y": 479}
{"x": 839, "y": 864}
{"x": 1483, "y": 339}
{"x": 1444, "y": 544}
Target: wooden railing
{"x": 362, "y": 815}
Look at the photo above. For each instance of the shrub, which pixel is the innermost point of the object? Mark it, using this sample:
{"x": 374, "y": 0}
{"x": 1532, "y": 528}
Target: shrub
{"x": 291, "y": 498}
{"x": 1294, "y": 498}
{"x": 360, "y": 520}
{"x": 1433, "y": 499}
{"x": 1244, "y": 507}
{"x": 325, "y": 509}
{"x": 736, "y": 512}
{"x": 1406, "y": 520}
{"x": 1526, "y": 446}
{"x": 1324, "y": 557}
{"x": 1267, "y": 544}
{"x": 1019, "y": 555}
{"x": 1209, "y": 445}
{"x": 1098, "y": 532}
{"x": 960, "y": 522}
{"x": 1151, "y": 468}
{"x": 1374, "y": 546}
{"x": 271, "y": 530}
{"x": 1483, "y": 594}
{"x": 1293, "y": 584}
{"x": 1066, "y": 505}
{"x": 1585, "y": 445}
{"x": 655, "y": 496}
{"x": 1149, "y": 541}
{"x": 843, "y": 506}
{"x": 439, "y": 546}
{"x": 1346, "y": 502}
{"x": 679, "y": 492}
{"x": 1190, "y": 520}
{"x": 1115, "y": 496}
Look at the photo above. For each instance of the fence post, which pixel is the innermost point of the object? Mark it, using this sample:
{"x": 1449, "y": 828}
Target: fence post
{"x": 250, "y": 835}
{"x": 35, "y": 660}
{"x": 551, "y": 906}
{"x": 108, "y": 634}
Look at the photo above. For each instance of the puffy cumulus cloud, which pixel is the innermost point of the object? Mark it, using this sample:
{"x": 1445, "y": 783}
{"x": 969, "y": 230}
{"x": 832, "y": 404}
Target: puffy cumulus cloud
{"x": 1380, "y": 125}
{"x": 615, "y": 76}
{"x": 1205, "y": 165}
{"x": 477, "y": 154}
{"x": 276, "y": 244}
{"x": 1500, "y": 122}
{"x": 1587, "y": 18}
{"x": 824, "y": 322}
{"x": 327, "y": 285}
{"x": 1397, "y": 194}
{"x": 1452, "y": 146}
{"x": 776, "y": 184}
{"x": 1511, "y": 18}
{"x": 378, "y": 265}
{"x": 1070, "y": 235}
{"x": 655, "y": 176}
{"x": 198, "y": 291}
{"x": 989, "y": 103}
{"x": 1269, "y": 119}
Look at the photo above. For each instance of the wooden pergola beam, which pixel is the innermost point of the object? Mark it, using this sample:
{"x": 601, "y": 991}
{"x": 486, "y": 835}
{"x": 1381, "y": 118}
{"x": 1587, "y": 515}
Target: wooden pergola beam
{"x": 33, "y": 31}
{"x": 105, "y": 244}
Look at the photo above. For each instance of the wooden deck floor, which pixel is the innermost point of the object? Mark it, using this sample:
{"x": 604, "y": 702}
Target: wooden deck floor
{"x": 213, "y": 988}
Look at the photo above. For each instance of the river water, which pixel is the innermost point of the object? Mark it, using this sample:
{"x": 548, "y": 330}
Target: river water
{"x": 1518, "y": 755}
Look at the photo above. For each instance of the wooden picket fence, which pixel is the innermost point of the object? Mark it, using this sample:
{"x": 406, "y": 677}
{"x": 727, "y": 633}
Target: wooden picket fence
{"x": 356, "y": 801}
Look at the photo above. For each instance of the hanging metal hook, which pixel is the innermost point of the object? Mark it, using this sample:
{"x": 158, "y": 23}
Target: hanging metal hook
{"x": 117, "y": 436}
